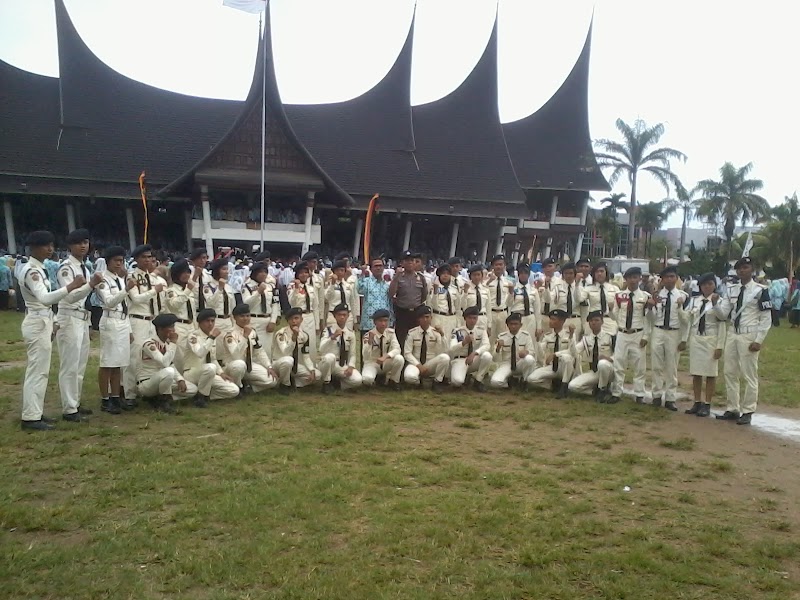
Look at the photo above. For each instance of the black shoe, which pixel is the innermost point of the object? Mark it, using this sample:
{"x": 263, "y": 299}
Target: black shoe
{"x": 127, "y": 404}
{"x": 657, "y": 402}
{"x": 247, "y": 390}
{"x": 393, "y": 385}
{"x": 670, "y": 405}
{"x": 326, "y": 388}
{"x": 201, "y": 401}
{"x": 166, "y": 405}
{"x": 563, "y": 391}
{"x": 74, "y": 418}
{"x": 694, "y": 410}
{"x": 704, "y": 410}
{"x": 478, "y": 386}
{"x": 48, "y": 420}
{"x": 36, "y": 425}
{"x": 436, "y": 385}
{"x": 111, "y": 406}
{"x": 639, "y": 399}
{"x": 728, "y": 415}
{"x": 613, "y": 399}
{"x": 284, "y": 389}
{"x": 85, "y": 411}
{"x": 745, "y": 419}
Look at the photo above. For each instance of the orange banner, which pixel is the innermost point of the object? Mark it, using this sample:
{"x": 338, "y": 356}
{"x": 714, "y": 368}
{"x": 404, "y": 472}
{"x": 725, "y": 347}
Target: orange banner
{"x": 142, "y": 189}
{"x": 373, "y": 204}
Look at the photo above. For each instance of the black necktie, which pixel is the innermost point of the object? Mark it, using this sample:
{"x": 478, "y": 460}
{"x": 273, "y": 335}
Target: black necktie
{"x": 201, "y": 299}
{"x": 158, "y": 299}
{"x": 595, "y": 355}
{"x": 124, "y": 303}
{"x": 478, "y": 299}
{"x": 526, "y": 301}
{"x": 513, "y": 353}
{"x": 739, "y": 304}
{"x": 249, "y": 357}
{"x": 381, "y": 346}
{"x": 569, "y": 300}
{"x": 556, "y": 347}
{"x": 701, "y": 326}
{"x": 263, "y": 303}
{"x": 423, "y": 349}
{"x": 152, "y": 302}
{"x": 470, "y": 348}
{"x": 629, "y": 313}
{"x": 449, "y": 301}
{"x": 342, "y": 351}
{"x": 603, "y": 302}
{"x": 308, "y": 298}
{"x": 296, "y": 355}
{"x": 87, "y": 303}
{"x": 497, "y": 299}
{"x": 225, "y": 302}
{"x": 189, "y": 308}
{"x": 667, "y": 309}
{"x": 341, "y": 292}
{"x": 208, "y": 357}
{"x": 547, "y": 304}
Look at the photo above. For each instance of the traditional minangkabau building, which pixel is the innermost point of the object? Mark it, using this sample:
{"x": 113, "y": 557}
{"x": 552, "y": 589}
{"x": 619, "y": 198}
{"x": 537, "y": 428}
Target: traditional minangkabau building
{"x": 451, "y": 178}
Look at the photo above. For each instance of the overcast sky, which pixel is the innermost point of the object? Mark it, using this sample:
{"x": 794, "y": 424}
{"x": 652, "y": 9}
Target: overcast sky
{"x": 721, "y": 75}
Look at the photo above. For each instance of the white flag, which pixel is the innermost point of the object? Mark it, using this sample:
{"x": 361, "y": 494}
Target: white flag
{"x": 248, "y": 6}
{"x": 748, "y": 245}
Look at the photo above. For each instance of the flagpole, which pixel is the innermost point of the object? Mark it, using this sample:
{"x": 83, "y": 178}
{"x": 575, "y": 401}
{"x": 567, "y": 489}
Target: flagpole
{"x": 263, "y": 126}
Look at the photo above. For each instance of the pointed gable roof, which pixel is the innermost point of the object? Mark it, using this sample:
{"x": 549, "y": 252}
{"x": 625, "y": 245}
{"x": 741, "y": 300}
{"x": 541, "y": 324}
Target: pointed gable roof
{"x": 114, "y": 127}
{"x": 552, "y": 148}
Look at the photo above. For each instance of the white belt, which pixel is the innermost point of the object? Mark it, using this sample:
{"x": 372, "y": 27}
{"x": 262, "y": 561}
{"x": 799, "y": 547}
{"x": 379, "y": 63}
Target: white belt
{"x": 83, "y": 315}
{"x": 40, "y": 312}
{"x": 742, "y": 330}
{"x": 115, "y": 314}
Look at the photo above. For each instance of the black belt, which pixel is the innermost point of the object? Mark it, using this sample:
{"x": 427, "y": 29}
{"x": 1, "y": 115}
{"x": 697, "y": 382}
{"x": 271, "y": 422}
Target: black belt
{"x": 405, "y": 309}
{"x": 574, "y": 317}
{"x": 668, "y": 328}
{"x": 499, "y": 310}
{"x": 141, "y": 317}
{"x": 445, "y": 314}
{"x": 260, "y": 316}
{"x": 223, "y": 316}
{"x": 184, "y": 321}
{"x": 631, "y": 330}
{"x": 142, "y": 380}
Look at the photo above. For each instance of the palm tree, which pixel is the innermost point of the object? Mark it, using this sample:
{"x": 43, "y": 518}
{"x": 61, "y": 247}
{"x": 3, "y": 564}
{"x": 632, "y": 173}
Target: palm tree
{"x": 685, "y": 202}
{"x": 651, "y": 218}
{"x": 784, "y": 231}
{"x": 616, "y": 203}
{"x": 638, "y": 151}
{"x": 732, "y": 200}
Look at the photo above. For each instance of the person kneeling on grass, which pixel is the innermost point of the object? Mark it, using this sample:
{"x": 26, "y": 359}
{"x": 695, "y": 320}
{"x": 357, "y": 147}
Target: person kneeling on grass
{"x": 469, "y": 347}
{"x": 200, "y": 365}
{"x": 514, "y": 350}
{"x": 292, "y": 343}
{"x": 380, "y": 352}
{"x": 337, "y": 351}
{"x": 157, "y": 379}
{"x": 554, "y": 353}
{"x": 425, "y": 352}
{"x": 595, "y": 346}
{"x": 245, "y": 359}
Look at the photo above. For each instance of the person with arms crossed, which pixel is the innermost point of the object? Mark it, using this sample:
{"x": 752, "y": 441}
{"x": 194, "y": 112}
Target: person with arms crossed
{"x": 380, "y": 352}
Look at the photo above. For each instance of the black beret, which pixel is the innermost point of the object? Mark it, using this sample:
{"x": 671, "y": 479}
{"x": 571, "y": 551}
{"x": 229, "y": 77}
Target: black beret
{"x": 633, "y": 271}
{"x": 180, "y": 266}
{"x": 515, "y": 316}
{"x": 114, "y": 251}
{"x": 197, "y": 253}
{"x": 205, "y": 314}
{"x": 381, "y": 313}
{"x": 339, "y": 264}
{"x": 294, "y": 311}
{"x": 600, "y": 265}
{"x": 258, "y": 268}
{"x": 262, "y": 256}
{"x": 139, "y": 250}
{"x": 216, "y": 265}
{"x": 165, "y": 320}
{"x": 558, "y": 313}
{"x": 471, "y": 311}
{"x": 477, "y": 268}
{"x": 745, "y": 260}
{"x": 40, "y": 238}
{"x": 583, "y": 261}
{"x": 707, "y": 277}
{"x": 301, "y": 266}
{"x": 568, "y": 266}
{"x": 523, "y": 266}
{"x": 594, "y": 314}
{"x": 77, "y": 236}
{"x": 497, "y": 257}
{"x": 548, "y": 261}
{"x": 340, "y": 308}
{"x": 454, "y": 260}
{"x": 342, "y": 256}
{"x": 444, "y": 269}
{"x": 241, "y": 309}
{"x": 423, "y": 310}
{"x": 311, "y": 255}
{"x": 668, "y": 270}
{"x": 408, "y": 254}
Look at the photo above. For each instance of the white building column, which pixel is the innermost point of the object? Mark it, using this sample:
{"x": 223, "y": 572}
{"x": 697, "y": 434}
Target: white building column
{"x": 70, "y": 217}
{"x": 484, "y": 251}
{"x": 357, "y": 239}
{"x": 498, "y": 247}
{"x": 206, "y": 203}
{"x": 548, "y": 248}
{"x": 581, "y": 235}
{"x": 309, "y": 221}
{"x": 9, "y": 216}
{"x": 454, "y": 238}
{"x": 554, "y": 210}
{"x": 407, "y": 235}
{"x": 131, "y": 229}
{"x": 187, "y": 224}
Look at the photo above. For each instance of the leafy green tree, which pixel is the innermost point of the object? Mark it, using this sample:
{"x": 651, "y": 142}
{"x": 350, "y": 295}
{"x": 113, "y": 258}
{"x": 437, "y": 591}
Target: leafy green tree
{"x": 685, "y": 202}
{"x": 651, "y": 218}
{"x": 638, "y": 151}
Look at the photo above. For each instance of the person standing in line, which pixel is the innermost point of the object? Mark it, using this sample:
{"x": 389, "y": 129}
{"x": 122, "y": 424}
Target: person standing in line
{"x": 599, "y": 296}
{"x": 544, "y": 282}
{"x": 5, "y": 284}
{"x": 317, "y": 280}
{"x": 501, "y": 292}
{"x": 630, "y": 310}
{"x": 475, "y": 293}
{"x": 198, "y": 260}
{"x": 444, "y": 299}
{"x": 115, "y": 330}
{"x": 381, "y": 353}
{"x": 303, "y": 296}
{"x": 408, "y": 291}
{"x": 375, "y": 290}
{"x": 526, "y": 301}
{"x": 563, "y": 295}
{"x": 705, "y": 333}
{"x": 37, "y": 328}
{"x": 670, "y": 320}
{"x": 258, "y": 294}
{"x": 220, "y": 296}
{"x": 180, "y": 302}
{"x": 341, "y": 289}
{"x": 748, "y": 310}
{"x": 73, "y": 326}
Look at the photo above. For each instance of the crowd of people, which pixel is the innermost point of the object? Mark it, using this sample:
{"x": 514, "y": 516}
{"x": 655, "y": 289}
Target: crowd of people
{"x": 198, "y": 330}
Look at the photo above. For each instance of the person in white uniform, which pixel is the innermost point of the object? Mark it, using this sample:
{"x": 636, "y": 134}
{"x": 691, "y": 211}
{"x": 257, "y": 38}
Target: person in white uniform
{"x": 554, "y": 353}
{"x": 115, "y": 330}
{"x": 381, "y": 353}
{"x": 470, "y": 352}
{"x": 596, "y": 347}
{"x": 526, "y": 300}
{"x": 599, "y": 296}
{"x": 425, "y": 352}
{"x": 476, "y": 294}
{"x": 198, "y": 260}
{"x": 341, "y": 288}
{"x": 220, "y": 296}
{"x": 200, "y": 364}
{"x": 37, "y": 328}
{"x": 669, "y": 321}
{"x": 157, "y": 379}
{"x": 302, "y": 295}
{"x": 500, "y": 289}
{"x": 73, "y": 325}
{"x": 748, "y": 310}
{"x": 293, "y": 342}
{"x": 630, "y": 309}
{"x": 180, "y": 302}
{"x": 337, "y": 352}
{"x": 705, "y": 333}
{"x": 444, "y": 299}
{"x": 258, "y": 293}
{"x": 514, "y": 352}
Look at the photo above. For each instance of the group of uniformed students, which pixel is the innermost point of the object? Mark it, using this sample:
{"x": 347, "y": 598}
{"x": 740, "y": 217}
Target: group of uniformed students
{"x": 190, "y": 339}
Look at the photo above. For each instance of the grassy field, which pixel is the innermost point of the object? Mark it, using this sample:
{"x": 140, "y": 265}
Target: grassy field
{"x": 410, "y": 495}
